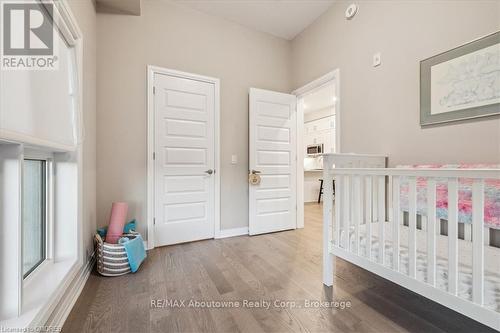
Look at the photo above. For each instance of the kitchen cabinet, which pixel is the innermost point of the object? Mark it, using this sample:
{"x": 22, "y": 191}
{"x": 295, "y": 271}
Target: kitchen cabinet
{"x": 320, "y": 131}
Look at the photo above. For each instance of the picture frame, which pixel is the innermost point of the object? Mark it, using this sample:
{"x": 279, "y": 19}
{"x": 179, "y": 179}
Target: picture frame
{"x": 462, "y": 83}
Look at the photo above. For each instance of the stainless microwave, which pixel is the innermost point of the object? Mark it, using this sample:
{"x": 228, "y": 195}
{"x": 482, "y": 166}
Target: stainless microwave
{"x": 314, "y": 149}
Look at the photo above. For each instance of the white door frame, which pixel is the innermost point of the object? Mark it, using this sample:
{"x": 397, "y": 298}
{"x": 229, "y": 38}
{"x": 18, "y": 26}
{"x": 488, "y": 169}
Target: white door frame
{"x": 308, "y": 88}
{"x": 152, "y": 70}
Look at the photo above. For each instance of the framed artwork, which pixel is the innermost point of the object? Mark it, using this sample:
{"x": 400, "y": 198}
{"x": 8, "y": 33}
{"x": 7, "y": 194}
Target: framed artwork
{"x": 461, "y": 83}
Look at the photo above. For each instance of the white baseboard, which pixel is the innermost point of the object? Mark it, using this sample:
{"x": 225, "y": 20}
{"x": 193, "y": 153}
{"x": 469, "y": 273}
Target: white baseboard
{"x": 63, "y": 308}
{"x": 233, "y": 232}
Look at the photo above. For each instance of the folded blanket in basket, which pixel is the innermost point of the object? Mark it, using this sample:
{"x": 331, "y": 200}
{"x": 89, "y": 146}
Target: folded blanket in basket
{"x": 126, "y": 229}
{"x": 135, "y": 251}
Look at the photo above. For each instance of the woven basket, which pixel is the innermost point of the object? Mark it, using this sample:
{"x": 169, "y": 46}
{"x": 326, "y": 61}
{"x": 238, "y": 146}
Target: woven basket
{"x": 111, "y": 258}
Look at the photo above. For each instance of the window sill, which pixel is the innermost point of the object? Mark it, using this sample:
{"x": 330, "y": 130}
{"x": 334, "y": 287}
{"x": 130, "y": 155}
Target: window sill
{"x": 40, "y": 269}
{"x": 40, "y": 289}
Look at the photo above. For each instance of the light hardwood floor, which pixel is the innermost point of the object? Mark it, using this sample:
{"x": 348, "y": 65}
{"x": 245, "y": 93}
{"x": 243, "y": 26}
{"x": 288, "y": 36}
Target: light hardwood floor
{"x": 278, "y": 266}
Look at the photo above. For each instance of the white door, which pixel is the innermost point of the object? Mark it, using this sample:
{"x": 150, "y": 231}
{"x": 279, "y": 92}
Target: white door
{"x": 273, "y": 137}
{"x": 184, "y": 159}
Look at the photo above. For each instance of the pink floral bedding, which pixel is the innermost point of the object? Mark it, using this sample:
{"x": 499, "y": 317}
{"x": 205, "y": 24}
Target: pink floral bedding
{"x": 491, "y": 195}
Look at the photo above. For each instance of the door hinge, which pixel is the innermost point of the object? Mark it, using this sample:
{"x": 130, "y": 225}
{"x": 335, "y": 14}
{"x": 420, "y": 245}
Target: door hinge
{"x": 154, "y": 90}
{"x": 154, "y": 156}
{"x": 154, "y": 220}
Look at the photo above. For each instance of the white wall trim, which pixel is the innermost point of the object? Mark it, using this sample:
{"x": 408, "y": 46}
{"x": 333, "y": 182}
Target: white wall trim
{"x": 151, "y": 70}
{"x": 233, "y": 232}
{"x": 300, "y": 92}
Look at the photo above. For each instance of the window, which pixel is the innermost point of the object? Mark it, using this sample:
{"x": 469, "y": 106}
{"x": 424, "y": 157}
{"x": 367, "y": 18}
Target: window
{"x": 34, "y": 214}
{"x": 40, "y": 178}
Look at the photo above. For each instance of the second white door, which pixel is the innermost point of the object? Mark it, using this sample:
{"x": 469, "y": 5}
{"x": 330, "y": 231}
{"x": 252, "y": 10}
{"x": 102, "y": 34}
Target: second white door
{"x": 273, "y": 156}
{"x": 185, "y": 159}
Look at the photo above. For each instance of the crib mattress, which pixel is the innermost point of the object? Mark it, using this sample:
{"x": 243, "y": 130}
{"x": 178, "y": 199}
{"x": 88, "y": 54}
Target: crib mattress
{"x": 491, "y": 280}
{"x": 491, "y": 195}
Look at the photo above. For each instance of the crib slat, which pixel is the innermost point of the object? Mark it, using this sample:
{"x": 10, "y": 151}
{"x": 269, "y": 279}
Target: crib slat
{"x": 357, "y": 211}
{"x": 346, "y": 210}
{"x": 375, "y": 199}
{"x": 352, "y": 224}
{"x": 452, "y": 235}
{"x": 390, "y": 210}
{"x": 368, "y": 214}
{"x": 381, "y": 218}
{"x": 339, "y": 188}
{"x": 478, "y": 241}
{"x": 431, "y": 231}
{"x": 412, "y": 239}
{"x": 395, "y": 221}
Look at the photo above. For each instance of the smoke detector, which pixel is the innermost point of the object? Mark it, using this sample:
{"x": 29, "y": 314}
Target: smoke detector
{"x": 351, "y": 11}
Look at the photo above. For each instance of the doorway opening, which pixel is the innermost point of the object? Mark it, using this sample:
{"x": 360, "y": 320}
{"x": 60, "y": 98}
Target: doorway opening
{"x": 318, "y": 132}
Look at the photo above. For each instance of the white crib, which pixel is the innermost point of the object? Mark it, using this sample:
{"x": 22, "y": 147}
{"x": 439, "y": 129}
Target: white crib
{"x": 463, "y": 275}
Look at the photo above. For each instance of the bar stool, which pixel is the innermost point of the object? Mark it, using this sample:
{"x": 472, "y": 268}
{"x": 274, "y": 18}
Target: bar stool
{"x": 321, "y": 189}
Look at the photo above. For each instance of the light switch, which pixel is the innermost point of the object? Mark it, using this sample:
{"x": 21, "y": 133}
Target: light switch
{"x": 234, "y": 159}
{"x": 377, "y": 59}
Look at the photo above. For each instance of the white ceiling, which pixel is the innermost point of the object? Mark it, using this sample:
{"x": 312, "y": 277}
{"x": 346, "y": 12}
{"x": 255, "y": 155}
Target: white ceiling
{"x": 320, "y": 99}
{"x": 281, "y": 18}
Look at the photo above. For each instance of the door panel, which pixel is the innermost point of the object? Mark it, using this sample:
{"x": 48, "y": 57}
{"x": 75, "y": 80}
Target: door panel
{"x": 184, "y": 145}
{"x": 273, "y": 128}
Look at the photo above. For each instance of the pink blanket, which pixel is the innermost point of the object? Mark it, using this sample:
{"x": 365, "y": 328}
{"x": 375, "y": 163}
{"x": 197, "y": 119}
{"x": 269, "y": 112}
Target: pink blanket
{"x": 491, "y": 195}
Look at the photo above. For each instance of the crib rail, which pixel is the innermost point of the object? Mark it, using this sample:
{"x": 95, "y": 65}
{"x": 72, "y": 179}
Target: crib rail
{"x": 431, "y": 173}
{"x": 330, "y": 162}
{"x": 368, "y": 208}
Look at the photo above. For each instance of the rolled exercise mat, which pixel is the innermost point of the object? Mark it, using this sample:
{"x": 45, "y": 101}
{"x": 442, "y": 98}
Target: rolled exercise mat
{"x": 116, "y": 222}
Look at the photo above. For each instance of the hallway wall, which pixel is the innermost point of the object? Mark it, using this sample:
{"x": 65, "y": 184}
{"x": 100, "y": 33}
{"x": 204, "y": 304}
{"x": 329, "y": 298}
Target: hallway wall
{"x": 380, "y": 105}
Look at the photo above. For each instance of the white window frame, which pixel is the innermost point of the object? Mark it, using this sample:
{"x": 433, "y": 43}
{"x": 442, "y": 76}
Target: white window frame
{"x": 53, "y": 304}
{"x": 48, "y": 158}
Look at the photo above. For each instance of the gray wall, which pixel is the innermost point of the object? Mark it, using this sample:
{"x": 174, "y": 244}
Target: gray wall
{"x": 84, "y": 12}
{"x": 172, "y": 36}
{"x": 380, "y": 106}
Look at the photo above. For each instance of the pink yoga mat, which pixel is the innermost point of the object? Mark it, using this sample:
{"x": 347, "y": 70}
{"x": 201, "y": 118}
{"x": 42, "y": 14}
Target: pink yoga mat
{"x": 116, "y": 222}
